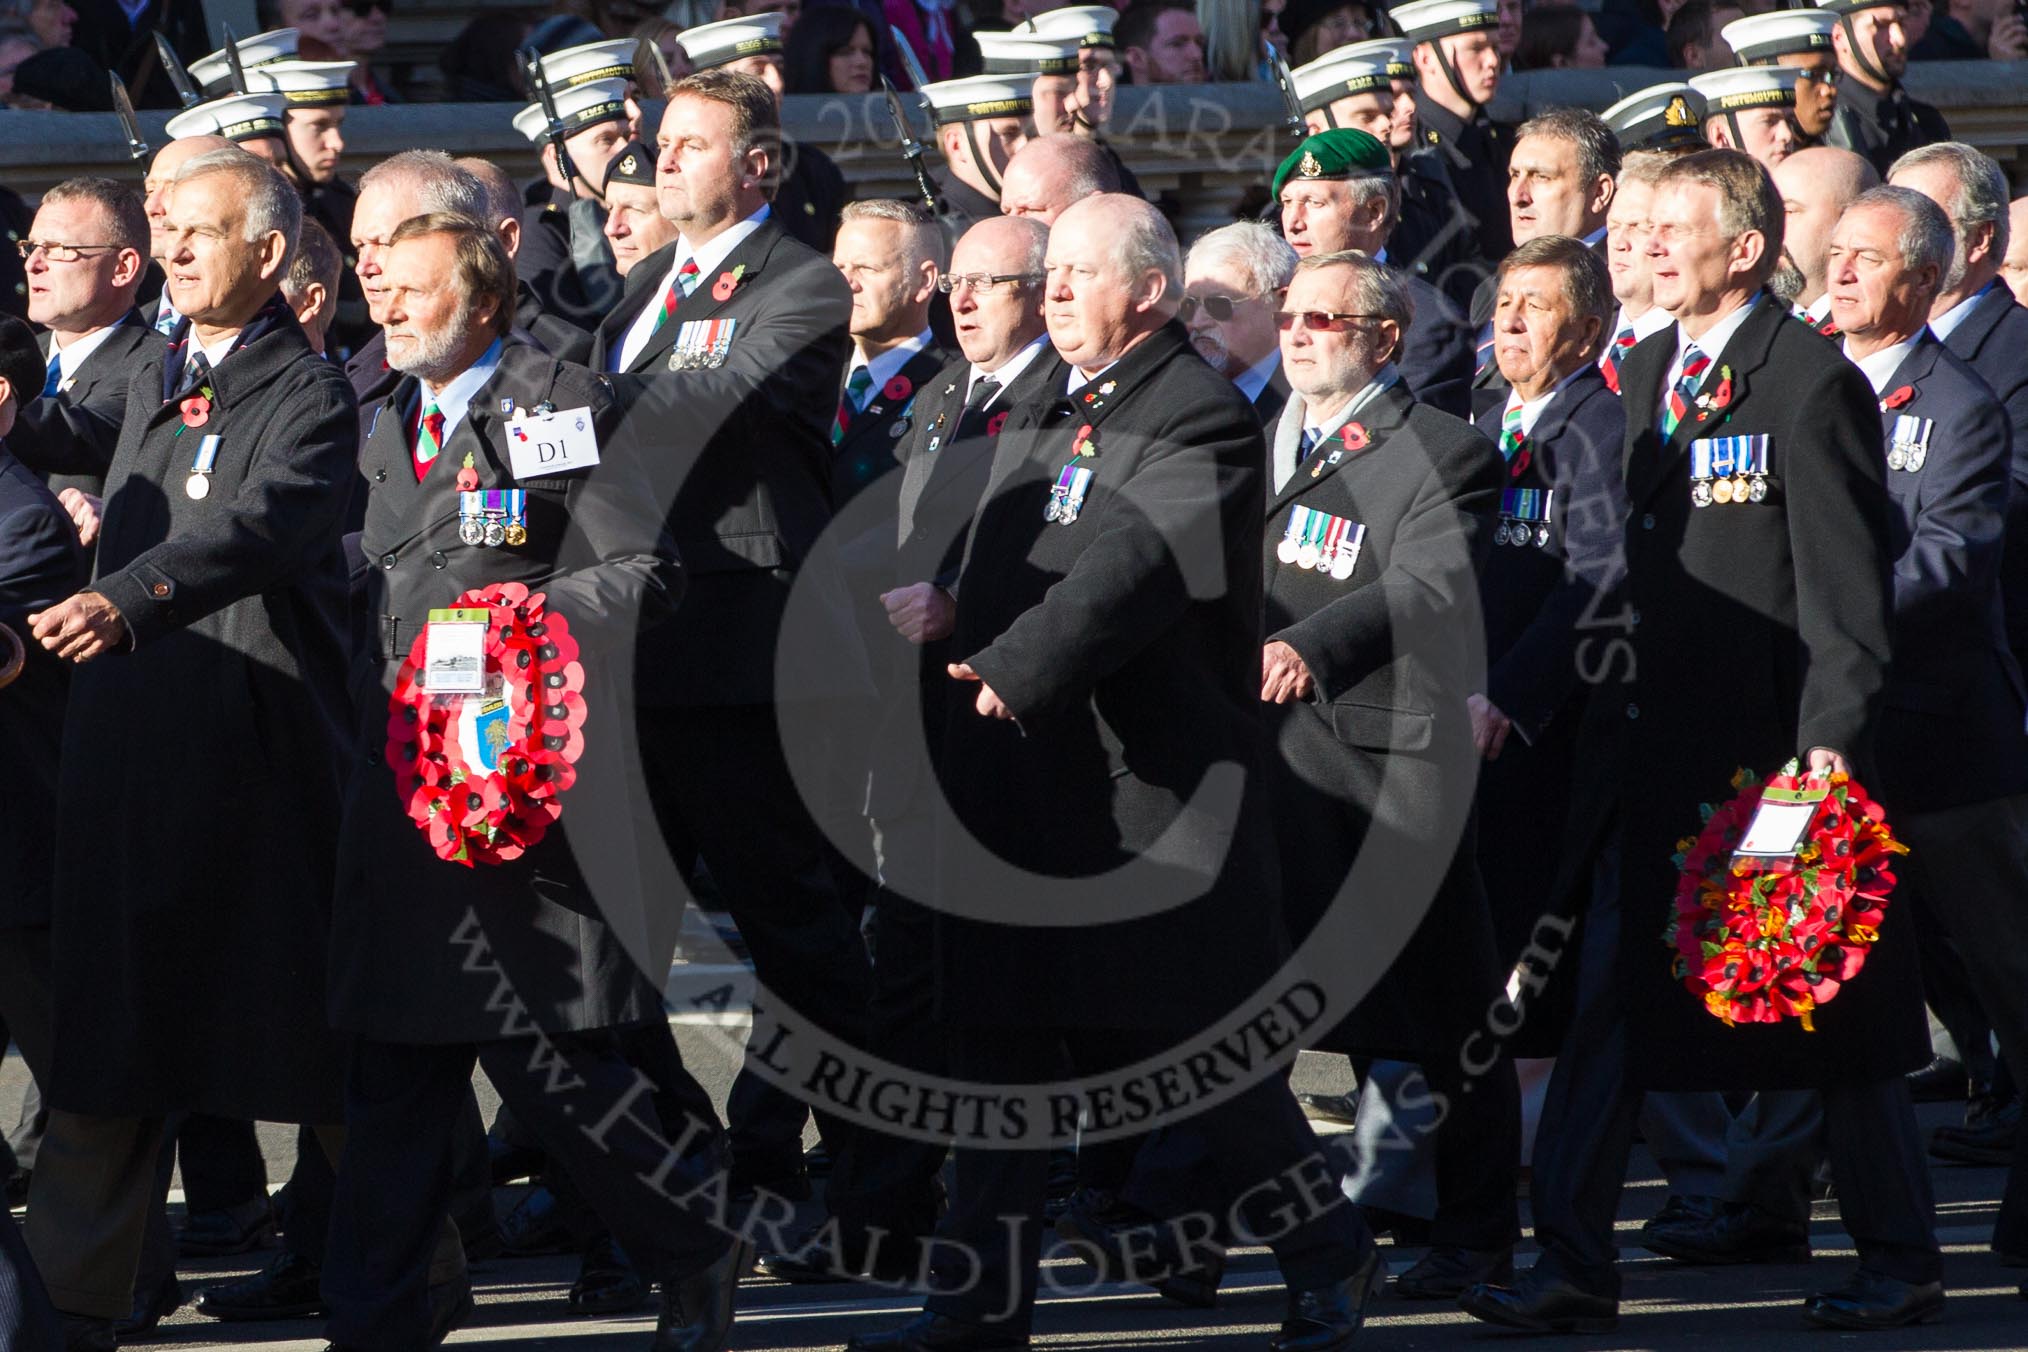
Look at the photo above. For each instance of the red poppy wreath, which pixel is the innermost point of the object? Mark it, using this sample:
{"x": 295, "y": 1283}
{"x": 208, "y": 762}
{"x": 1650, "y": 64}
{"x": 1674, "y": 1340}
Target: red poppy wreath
{"x": 1760, "y": 940}
{"x": 482, "y": 776}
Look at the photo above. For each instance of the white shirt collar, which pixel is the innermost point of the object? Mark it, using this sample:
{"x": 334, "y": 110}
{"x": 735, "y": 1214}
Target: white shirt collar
{"x": 1651, "y": 320}
{"x": 214, "y": 353}
{"x": 1819, "y": 309}
{"x": 1881, "y": 366}
{"x": 1255, "y": 378}
{"x": 884, "y": 367}
{"x": 715, "y": 250}
{"x": 454, "y": 400}
{"x": 1712, "y": 344}
{"x": 1945, "y": 324}
{"x": 1384, "y": 378}
{"x": 1531, "y": 410}
{"x": 71, "y": 358}
{"x": 1078, "y": 380}
{"x": 1010, "y": 370}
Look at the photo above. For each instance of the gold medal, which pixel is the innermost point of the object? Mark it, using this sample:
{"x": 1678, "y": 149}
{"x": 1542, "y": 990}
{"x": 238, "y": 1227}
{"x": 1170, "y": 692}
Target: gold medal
{"x": 517, "y": 534}
{"x": 1721, "y": 490}
{"x": 1740, "y": 488}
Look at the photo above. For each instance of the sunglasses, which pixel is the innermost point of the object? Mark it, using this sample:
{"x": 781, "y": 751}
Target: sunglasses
{"x": 1318, "y": 321}
{"x": 1220, "y": 308}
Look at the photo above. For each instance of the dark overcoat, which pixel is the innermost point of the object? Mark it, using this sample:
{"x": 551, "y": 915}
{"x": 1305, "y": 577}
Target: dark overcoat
{"x": 71, "y": 437}
{"x": 1758, "y": 631}
{"x": 198, "y": 807}
{"x": 1127, "y": 643}
{"x": 869, "y": 449}
{"x": 1993, "y": 341}
{"x": 1882, "y": 127}
{"x": 1952, "y": 730}
{"x": 1374, "y": 772}
{"x": 407, "y": 923}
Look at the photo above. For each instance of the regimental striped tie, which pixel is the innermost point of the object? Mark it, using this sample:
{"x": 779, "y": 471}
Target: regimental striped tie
{"x": 678, "y": 292}
{"x": 1677, "y": 407}
{"x": 849, "y": 404}
{"x": 1510, "y": 430}
{"x": 1616, "y": 353}
{"x": 429, "y": 439}
{"x": 166, "y": 318}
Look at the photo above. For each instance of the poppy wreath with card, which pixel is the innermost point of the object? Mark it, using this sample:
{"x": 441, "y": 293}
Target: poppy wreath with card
{"x": 472, "y": 814}
{"x": 1763, "y": 940}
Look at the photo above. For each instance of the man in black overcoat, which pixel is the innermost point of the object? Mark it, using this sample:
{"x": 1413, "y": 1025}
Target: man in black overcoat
{"x": 1108, "y": 620}
{"x": 1757, "y": 632}
{"x": 517, "y": 965}
{"x": 209, "y": 639}
{"x": 1875, "y": 116}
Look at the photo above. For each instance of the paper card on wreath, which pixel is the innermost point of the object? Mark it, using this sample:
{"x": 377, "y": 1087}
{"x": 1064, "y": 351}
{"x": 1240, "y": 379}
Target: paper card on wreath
{"x": 1780, "y": 825}
{"x": 454, "y": 652}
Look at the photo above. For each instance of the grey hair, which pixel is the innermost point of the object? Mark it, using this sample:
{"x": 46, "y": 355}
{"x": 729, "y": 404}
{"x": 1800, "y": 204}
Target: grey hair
{"x": 1376, "y": 288}
{"x": 1925, "y": 238}
{"x": 1643, "y": 166}
{"x": 1598, "y": 150}
{"x": 1980, "y": 198}
{"x": 1261, "y": 253}
{"x": 1587, "y": 285}
{"x": 496, "y": 188}
{"x": 1147, "y": 242}
{"x": 925, "y": 241}
{"x": 271, "y": 202}
{"x": 439, "y": 184}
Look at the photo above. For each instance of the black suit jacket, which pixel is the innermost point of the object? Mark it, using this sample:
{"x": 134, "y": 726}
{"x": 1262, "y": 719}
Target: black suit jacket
{"x": 740, "y": 457}
{"x": 40, "y": 564}
{"x": 871, "y": 446}
{"x": 1955, "y": 731}
{"x": 1273, "y": 396}
{"x": 1436, "y": 353}
{"x": 811, "y": 195}
{"x": 1993, "y": 341}
{"x": 555, "y": 231}
{"x": 595, "y": 548}
{"x": 71, "y": 437}
{"x": 1882, "y": 127}
{"x": 1474, "y": 154}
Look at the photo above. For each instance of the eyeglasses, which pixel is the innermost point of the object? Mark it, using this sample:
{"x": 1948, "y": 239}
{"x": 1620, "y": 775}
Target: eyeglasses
{"x": 1318, "y": 321}
{"x": 59, "y": 253}
{"x": 1220, "y": 308}
{"x": 1822, "y": 77}
{"x": 985, "y": 284}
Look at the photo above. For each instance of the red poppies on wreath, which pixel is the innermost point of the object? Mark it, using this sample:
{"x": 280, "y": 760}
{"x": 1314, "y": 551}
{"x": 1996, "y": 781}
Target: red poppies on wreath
{"x": 1761, "y": 941}
{"x": 900, "y": 387}
{"x": 472, "y": 815}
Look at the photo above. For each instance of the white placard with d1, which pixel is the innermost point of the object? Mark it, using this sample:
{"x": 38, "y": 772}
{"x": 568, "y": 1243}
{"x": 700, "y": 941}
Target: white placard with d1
{"x": 544, "y": 444}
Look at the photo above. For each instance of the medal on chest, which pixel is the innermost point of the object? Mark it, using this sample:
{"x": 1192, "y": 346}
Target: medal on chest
{"x": 1320, "y": 542}
{"x": 198, "y": 486}
{"x": 491, "y": 517}
{"x": 1525, "y": 514}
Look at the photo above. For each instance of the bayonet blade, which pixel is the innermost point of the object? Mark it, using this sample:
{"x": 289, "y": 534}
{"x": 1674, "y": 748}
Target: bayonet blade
{"x": 232, "y": 60}
{"x": 129, "y": 124}
{"x": 916, "y": 74}
{"x": 179, "y": 77}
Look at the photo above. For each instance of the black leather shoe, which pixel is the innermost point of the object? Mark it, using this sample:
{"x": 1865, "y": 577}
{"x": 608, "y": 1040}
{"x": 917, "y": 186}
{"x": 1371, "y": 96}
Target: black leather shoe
{"x": 149, "y": 1310}
{"x": 1683, "y": 1209}
{"x": 1143, "y": 1251}
{"x": 607, "y": 1281}
{"x": 1447, "y": 1272}
{"x": 1943, "y": 1080}
{"x": 84, "y": 1333}
{"x": 512, "y": 1163}
{"x": 228, "y": 1230}
{"x": 937, "y": 1333}
{"x": 535, "y": 1226}
{"x": 1323, "y": 1318}
{"x": 1542, "y": 1304}
{"x": 284, "y": 1289}
{"x": 1406, "y": 1231}
{"x": 1871, "y": 1300}
{"x": 1989, "y": 1142}
{"x": 816, "y": 1260}
{"x": 697, "y": 1305}
{"x": 451, "y": 1305}
{"x": 1739, "y": 1234}
{"x": 1338, "y": 1109}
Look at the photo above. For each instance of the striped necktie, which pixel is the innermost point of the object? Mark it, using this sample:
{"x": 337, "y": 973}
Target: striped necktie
{"x": 429, "y": 439}
{"x": 166, "y": 317}
{"x": 849, "y": 404}
{"x": 678, "y": 292}
{"x": 1311, "y": 437}
{"x": 1677, "y": 407}
{"x": 1615, "y": 353}
{"x": 1510, "y": 430}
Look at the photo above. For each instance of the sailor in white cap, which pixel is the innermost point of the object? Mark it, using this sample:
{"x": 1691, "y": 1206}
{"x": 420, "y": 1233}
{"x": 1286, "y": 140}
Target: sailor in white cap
{"x": 1875, "y": 116}
{"x": 212, "y": 72}
{"x": 1801, "y": 40}
{"x": 1082, "y": 100}
{"x": 1750, "y": 108}
{"x": 1457, "y": 65}
{"x": 251, "y": 121}
{"x": 1665, "y": 117}
{"x": 812, "y": 190}
{"x": 1343, "y": 89}
{"x": 564, "y": 256}
{"x": 315, "y": 95}
{"x": 982, "y": 121}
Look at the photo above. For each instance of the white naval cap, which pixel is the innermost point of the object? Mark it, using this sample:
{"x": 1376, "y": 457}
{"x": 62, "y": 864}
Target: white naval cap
{"x": 1428, "y": 20}
{"x": 1394, "y": 51}
{"x": 977, "y": 97}
{"x": 236, "y": 117}
{"x": 1763, "y": 37}
{"x": 305, "y": 84}
{"x": 578, "y": 107}
{"x": 1659, "y": 117}
{"x": 1091, "y": 25}
{"x": 1027, "y": 53}
{"x": 729, "y": 40}
{"x": 574, "y": 66}
{"x": 212, "y": 73}
{"x": 1742, "y": 87}
{"x": 1842, "y": 7}
{"x": 1338, "y": 75}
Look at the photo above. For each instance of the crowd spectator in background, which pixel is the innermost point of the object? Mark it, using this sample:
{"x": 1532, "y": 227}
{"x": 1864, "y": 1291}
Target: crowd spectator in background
{"x": 1271, "y": 26}
{"x": 63, "y": 78}
{"x": 16, "y": 46}
{"x": 1970, "y": 30}
{"x": 1161, "y": 42}
{"x": 124, "y": 43}
{"x": 51, "y": 21}
{"x": 1318, "y": 26}
{"x": 659, "y": 36}
{"x": 479, "y": 66}
{"x": 1696, "y": 39}
{"x": 834, "y": 50}
{"x": 928, "y": 27}
{"x": 1559, "y": 37}
{"x": 319, "y": 24}
{"x": 1232, "y": 40}
{"x": 1635, "y": 31}
{"x": 1507, "y": 35}
{"x": 364, "y": 36}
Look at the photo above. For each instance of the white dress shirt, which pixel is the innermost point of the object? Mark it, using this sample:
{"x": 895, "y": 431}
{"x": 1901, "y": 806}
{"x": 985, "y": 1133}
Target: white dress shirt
{"x": 70, "y": 359}
{"x": 454, "y": 400}
{"x": 888, "y": 364}
{"x": 1881, "y": 366}
{"x": 1255, "y": 378}
{"x": 1010, "y": 370}
{"x": 709, "y": 255}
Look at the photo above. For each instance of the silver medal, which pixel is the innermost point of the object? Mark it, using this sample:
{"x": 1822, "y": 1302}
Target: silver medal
{"x": 1343, "y": 563}
{"x": 1054, "y": 509}
{"x": 1897, "y": 458}
{"x": 1916, "y": 457}
{"x": 197, "y": 487}
{"x": 1286, "y": 550}
{"x": 1504, "y": 533}
{"x": 1542, "y": 537}
{"x": 1307, "y": 556}
{"x": 1700, "y": 494}
{"x": 472, "y": 531}
{"x": 1757, "y": 490}
{"x": 495, "y": 532}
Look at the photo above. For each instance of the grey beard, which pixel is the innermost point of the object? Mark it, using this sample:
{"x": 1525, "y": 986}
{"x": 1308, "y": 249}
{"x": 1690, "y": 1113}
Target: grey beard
{"x": 435, "y": 359}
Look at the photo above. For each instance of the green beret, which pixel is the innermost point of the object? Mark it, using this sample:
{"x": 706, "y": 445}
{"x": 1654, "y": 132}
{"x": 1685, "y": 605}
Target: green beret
{"x": 1342, "y": 152}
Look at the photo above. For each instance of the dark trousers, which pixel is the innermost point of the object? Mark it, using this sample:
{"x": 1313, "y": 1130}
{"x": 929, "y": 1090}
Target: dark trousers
{"x": 221, "y": 1161}
{"x": 600, "y": 1114}
{"x": 25, "y": 1012}
{"x": 1587, "y": 1129}
{"x": 1260, "y": 1145}
{"x": 27, "y": 1322}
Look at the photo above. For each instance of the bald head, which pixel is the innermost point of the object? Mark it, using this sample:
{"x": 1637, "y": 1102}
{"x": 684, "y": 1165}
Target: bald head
{"x": 1115, "y": 275}
{"x": 1051, "y": 172}
{"x": 161, "y": 173}
{"x": 992, "y": 326}
{"x": 503, "y": 199}
{"x": 1816, "y": 186}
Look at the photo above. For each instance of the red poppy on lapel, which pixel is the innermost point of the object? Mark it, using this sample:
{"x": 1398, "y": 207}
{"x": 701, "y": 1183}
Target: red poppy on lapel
{"x": 1085, "y": 443}
{"x": 196, "y": 411}
{"x": 468, "y": 479}
{"x": 722, "y": 289}
{"x": 1354, "y": 437}
{"x": 995, "y": 423}
{"x": 1524, "y": 456}
{"x": 1898, "y": 398}
{"x": 901, "y": 387}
